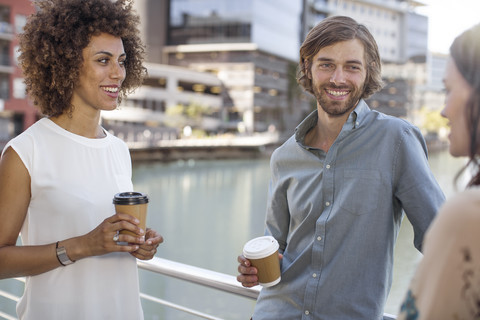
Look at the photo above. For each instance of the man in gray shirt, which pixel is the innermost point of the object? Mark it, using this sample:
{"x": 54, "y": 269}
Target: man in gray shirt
{"x": 339, "y": 186}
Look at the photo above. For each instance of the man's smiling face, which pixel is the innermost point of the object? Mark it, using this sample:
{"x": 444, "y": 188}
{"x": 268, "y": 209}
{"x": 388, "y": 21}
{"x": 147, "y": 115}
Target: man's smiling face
{"x": 338, "y": 74}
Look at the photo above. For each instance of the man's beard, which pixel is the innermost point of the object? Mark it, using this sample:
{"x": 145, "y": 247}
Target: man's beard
{"x": 336, "y": 108}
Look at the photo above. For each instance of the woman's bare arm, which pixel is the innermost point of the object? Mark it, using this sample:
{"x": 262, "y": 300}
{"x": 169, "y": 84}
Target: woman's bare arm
{"x": 18, "y": 261}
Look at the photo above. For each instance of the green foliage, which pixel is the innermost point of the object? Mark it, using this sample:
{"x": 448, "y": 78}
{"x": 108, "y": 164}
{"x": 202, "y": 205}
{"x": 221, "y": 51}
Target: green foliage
{"x": 192, "y": 111}
{"x": 431, "y": 120}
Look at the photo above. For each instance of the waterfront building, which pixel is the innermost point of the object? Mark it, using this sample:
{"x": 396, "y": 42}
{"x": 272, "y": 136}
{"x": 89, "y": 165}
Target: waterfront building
{"x": 252, "y": 46}
{"x": 247, "y": 50}
{"x": 431, "y": 96}
{"x": 16, "y": 111}
{"x": 170, "y": 99}
{"x": 437, "y": 64}
{"x": 401, "y": 33}
{"x": 402, "y": 37}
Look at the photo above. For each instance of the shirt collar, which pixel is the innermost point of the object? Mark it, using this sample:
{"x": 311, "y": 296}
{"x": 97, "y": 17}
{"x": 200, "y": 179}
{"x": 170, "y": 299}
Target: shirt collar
{"x": 354, "y": 120}
{"x": 360, "y": 111}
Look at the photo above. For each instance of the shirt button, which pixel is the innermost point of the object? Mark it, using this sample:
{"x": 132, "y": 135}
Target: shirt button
{"x": 307, "y": 312}
{"x": 319, "y": 238}
{"x": 327, "y": 204}
{"x": 314, "y": 275}
{"x": 327, "y": 166}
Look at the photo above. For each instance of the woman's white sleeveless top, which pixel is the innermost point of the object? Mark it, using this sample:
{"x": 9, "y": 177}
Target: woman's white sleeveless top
{"x": 73, "y": 181}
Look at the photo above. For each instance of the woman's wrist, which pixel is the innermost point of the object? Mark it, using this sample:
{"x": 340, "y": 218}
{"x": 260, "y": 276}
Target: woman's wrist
{"x": 62, "y": 255}
{"x": 73, "y": 248}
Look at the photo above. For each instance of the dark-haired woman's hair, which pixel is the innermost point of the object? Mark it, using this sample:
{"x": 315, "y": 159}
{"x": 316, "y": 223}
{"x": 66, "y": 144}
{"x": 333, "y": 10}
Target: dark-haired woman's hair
{"x": 337, "y": 29}
{"x": 52, "y": 43}
{"x": 465, "y": 52}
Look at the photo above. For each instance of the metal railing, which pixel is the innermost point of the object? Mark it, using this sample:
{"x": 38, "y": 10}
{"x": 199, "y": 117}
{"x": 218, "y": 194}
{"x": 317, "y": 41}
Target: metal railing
{"x": 12, "y": 297}
{"x": 204, "y": 277}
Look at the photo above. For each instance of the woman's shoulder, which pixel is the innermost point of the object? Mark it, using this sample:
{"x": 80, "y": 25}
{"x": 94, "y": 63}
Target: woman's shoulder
{"x": 461, "y": 211}
{"x": 117, "y": 142}
{"x": 25, "y": 139}
{"x": 465, "y": 203}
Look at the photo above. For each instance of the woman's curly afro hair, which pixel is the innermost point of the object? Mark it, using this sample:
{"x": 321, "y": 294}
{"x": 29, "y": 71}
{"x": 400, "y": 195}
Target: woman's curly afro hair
{"x": 52, "y": 43}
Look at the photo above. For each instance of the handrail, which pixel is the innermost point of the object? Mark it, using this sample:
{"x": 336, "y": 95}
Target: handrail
{"x": 207, "y": 278}
{"x": 204, "y": 277}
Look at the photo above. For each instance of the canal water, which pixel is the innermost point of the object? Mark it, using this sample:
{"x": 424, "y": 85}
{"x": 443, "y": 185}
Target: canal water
{"x": 207, "y": 210}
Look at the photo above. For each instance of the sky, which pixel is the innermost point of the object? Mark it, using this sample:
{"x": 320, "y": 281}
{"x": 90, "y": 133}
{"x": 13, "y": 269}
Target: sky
{"x": 447, "y": 19}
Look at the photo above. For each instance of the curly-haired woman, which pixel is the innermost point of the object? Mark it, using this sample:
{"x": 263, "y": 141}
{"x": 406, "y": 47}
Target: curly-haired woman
{"x": 58, "y": 178}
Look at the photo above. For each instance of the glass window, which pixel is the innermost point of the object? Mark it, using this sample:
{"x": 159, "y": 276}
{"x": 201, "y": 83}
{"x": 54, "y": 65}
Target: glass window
{"x": 16, "y": 53}
{"x": 20, "y": 21}
{"x": 209, "y": 21}
{"x": 4, "y": 87}
{"x": 19, "y": 88}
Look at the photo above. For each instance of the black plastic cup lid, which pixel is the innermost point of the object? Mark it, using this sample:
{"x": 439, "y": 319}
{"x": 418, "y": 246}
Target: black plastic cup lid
{"x": 129, "y": 198}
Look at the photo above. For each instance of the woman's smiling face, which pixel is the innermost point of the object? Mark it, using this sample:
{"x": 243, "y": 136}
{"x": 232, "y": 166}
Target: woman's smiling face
{"x": 101, "y": 74}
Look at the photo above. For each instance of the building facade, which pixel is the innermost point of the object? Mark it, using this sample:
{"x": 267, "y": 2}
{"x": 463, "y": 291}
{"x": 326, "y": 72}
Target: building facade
{"x": 233, "y": 64}
{"x": 252, "y": 47}
{"x": 402, "y": 38}
{"x": 16, "y": 111}
{"x": 400, "y": 32}
{"x": 170, "y": 99}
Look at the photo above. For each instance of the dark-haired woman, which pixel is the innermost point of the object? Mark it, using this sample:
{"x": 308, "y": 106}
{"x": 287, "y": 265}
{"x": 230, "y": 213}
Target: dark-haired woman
{"x": 447, "y": 282}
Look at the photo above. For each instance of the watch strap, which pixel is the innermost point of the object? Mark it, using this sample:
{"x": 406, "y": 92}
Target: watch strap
{"x": 62, "y": 255}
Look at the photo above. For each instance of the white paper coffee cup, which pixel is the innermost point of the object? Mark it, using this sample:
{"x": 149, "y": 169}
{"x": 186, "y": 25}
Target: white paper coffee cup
{"x": 263, "y": 255}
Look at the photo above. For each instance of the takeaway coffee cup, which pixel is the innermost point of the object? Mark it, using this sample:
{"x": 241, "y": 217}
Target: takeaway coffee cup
{"x": 132, "y": 203}
{"x": 263, "y": 255}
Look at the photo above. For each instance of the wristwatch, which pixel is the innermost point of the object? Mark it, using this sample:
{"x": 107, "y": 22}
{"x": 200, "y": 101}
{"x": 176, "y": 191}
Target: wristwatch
{"x": 62, "y": 255}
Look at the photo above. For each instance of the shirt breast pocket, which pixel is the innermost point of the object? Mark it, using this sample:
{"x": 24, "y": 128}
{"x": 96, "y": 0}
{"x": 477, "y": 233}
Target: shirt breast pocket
{"x": 362, "y": 191}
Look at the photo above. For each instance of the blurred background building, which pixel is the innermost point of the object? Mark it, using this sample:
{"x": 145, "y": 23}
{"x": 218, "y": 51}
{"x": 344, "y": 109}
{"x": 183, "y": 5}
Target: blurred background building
{"x": 16, "y": 112}
{"x": 229, "y": 66}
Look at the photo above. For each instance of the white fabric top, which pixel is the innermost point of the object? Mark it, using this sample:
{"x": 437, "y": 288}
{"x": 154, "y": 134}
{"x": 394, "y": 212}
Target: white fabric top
{"x": 73, "y": 181}
{"x": 446, "y": 284}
